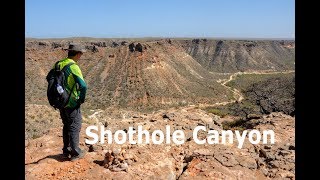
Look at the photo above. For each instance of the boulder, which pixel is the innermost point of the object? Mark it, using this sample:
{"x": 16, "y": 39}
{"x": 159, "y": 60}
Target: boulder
{"x": 131, "y": 47}
{"x": 139, "y": 47}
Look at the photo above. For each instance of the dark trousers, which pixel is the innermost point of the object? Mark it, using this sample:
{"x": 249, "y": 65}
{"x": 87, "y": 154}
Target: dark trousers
{"x": 71, "y": 119}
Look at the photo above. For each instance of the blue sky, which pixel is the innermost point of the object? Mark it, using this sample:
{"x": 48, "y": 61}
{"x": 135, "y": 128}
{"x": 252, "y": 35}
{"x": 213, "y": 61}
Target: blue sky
{"x": 161, "y": 18}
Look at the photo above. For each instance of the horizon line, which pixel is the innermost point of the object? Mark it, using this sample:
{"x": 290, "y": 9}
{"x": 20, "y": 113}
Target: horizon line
{"x": 164, "y": 37}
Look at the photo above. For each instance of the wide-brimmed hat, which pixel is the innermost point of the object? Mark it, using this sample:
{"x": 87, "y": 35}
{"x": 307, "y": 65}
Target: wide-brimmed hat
{"x": 76, "y": 47}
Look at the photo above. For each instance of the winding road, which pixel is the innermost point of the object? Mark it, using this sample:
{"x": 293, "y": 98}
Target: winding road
{"x": 236, "y": 93}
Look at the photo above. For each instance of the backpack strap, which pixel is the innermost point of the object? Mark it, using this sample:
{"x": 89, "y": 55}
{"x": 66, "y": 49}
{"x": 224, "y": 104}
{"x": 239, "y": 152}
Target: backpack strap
{"x": 66, "y": 66}
{"x": 56, "y": 66}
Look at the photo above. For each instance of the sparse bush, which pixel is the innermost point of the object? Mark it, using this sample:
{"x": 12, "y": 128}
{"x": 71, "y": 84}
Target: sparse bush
{"x": 243, "y": 109}
{"x": 218, "y": 112}
{"x": 34, "y": 136}
{"x": 238, "y": 124}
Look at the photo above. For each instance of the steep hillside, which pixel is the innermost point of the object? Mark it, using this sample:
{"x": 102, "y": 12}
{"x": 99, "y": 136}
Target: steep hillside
{"x": 144, "y": 74}
{"x": 242, "y": 55}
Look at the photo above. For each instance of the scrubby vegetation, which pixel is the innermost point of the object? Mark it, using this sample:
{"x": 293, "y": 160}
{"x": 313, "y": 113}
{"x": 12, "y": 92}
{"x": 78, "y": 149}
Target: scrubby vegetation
{"x": 219, "y": 112}
{"x": 273, "y": 95}
{"x": 242, "y": 82}
{"x": 39, "y": 119}
{"x": 263, "y": 94}
{"x": 239, "y": 124}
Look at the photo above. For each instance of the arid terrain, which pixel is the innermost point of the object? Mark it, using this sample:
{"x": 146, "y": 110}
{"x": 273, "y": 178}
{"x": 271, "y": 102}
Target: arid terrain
{"x": 184, "y": 83}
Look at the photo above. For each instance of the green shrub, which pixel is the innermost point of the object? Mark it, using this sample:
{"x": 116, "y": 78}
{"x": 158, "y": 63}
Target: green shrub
{"x": 34, "y": 136}
{"x": 218, "y": 112}
{"x": 238, "y": 124}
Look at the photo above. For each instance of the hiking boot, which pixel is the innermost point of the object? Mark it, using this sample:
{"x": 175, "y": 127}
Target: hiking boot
{"x": 66, "y": 153}
{"x": 79, "y": 156}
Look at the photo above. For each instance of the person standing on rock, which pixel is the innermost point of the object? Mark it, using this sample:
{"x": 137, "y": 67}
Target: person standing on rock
{"x": 71, "y": 114}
